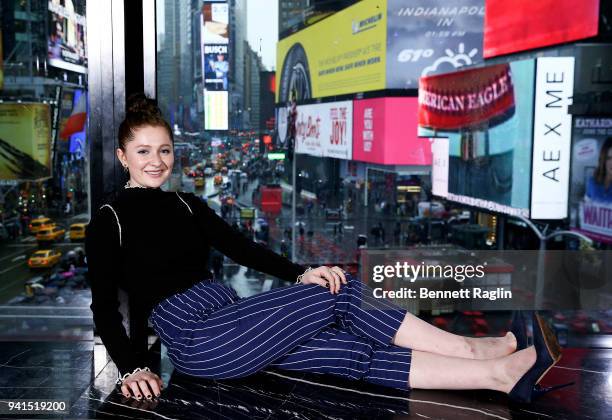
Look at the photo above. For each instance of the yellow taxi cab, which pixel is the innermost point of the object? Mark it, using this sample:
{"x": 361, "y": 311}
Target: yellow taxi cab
{"x": 44, "y": 258}
{"x": 199, "y": 182}
{"x": 218, "y": 180}
{"x": 77, "y": 231}
{"x": 53, "y": 233}
{"x": 40, "y": 223}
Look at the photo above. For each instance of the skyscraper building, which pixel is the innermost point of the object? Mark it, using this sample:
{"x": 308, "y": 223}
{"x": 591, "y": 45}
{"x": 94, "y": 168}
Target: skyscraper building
{"x": 253, "y": 68}
{"x": 175, "y": 63}
{"x": 238, "y": 30}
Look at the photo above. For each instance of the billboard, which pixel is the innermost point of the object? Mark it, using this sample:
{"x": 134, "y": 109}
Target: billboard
{"x": 214, "y": 43}
{"x": 344, "y": 53}
{"x": 215, "y": 110}
{"x": 466, "y": 98}
{"x": 215, "y": 23}
{"x": 591, "y": 186}
{"x": 378, "y": 44}
{"x": 552, "y": 137}
{"x": 519, "y": 25}
{"x": 385, "y": 131}
{"x": 67, "y": 37}
{"x": 25, "y": 141}
{"x": 325, "y": 130}
{"x": 508, "y": 136}
{"x": 216, "y": 67}
{"x": 489, "y": 159}
{"x": 427, "y": 37}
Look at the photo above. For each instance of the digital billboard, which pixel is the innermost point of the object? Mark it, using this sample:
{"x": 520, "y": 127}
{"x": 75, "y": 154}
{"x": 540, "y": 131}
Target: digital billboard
{"x": 552, "y": 137}
{"x": 214, "y": 43}
{"x": 489, "y": 131}
{"x": 519, "y": 25}
{"x": 508, "y": 131}
{"x": 378, "y": 44}
{"x": 385, "y": 131}
{"x": 25, "y": 141}
{"x": 591, "y": 186}
{"x": 344, "y": 53}
{"x": 427, "y": 37}
{"x": 216, "y": 67}
{"x": 67, "y": 37}
{"x": 215, "y": 23}
{"x": 325, "y": 130}
{"x": 215, "y": 110}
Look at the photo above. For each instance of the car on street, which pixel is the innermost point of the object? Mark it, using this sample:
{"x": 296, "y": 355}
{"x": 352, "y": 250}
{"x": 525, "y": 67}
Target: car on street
{"x": 77, "y": 231}
{"x": 208, "y": 171}
{"x": 40, "y": 223}
{"x": 199, "y": 182}
{"x": 44, "y": 258}
{"x": 333, "y": 214}
{"x": 50, "y": 234}
{"x": 218, "y": 180}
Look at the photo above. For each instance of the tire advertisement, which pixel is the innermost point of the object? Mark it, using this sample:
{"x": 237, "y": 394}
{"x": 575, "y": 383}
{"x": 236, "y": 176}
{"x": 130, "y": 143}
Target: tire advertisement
{"x": 342, "y": 54}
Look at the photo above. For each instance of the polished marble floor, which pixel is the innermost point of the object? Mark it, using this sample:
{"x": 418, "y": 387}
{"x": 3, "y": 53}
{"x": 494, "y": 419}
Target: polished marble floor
{"x": 67, "y": 371}
{"x": 75, "y": 367}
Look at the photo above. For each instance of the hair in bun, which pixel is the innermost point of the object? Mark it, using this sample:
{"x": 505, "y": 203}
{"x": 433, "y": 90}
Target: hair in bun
{"x": 140, "y": 111}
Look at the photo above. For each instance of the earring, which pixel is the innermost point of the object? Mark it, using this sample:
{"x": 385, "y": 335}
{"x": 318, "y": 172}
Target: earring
{"x": 125, "y": 169}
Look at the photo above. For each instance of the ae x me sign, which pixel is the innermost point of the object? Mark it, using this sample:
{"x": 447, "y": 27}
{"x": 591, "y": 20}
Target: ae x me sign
{"x": 552, "y": 137}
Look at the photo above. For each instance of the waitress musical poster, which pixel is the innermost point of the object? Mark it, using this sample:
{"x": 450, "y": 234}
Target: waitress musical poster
{"x": 591, "y": 191}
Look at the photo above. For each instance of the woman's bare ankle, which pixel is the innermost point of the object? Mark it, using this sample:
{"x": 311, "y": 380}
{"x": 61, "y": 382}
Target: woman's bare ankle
{"x": 491, "y": 347}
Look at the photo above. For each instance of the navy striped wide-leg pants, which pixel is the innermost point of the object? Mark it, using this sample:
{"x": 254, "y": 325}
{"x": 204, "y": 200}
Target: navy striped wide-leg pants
{"x": 210, "y": 332}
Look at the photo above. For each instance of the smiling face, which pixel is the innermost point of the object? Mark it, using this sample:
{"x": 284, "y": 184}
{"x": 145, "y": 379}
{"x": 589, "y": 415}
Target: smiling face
{"x": 149, "y": 157}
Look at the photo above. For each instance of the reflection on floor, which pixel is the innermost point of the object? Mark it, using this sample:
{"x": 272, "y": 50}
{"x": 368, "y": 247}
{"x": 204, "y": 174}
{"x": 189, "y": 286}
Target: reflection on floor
{"x": 78, "y": 371}
{"x": 61, "y": 373}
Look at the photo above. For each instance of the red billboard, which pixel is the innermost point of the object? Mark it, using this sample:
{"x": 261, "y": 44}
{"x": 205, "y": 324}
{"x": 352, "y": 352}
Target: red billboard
{"x": 520, "y": 25}
{"x": 385, "y": 132}
{"x": 466, "y": 98}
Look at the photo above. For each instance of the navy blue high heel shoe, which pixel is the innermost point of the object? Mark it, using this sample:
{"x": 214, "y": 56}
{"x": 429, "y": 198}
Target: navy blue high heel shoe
{"x": 548, "y": 353}
{"x": 519, "y": 329}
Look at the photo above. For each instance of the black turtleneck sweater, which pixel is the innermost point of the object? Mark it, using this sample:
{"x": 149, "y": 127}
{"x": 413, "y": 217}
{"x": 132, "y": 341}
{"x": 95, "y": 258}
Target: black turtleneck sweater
{"x": 160, "y": 249}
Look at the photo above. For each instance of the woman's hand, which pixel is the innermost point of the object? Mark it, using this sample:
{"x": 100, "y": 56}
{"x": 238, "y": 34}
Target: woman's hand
{"x": 142, "y": 384}
{"x": 326, "y": 277}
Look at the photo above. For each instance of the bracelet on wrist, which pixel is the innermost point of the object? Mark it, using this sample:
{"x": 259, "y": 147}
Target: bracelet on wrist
{"x": 120, "y": 379}
{"x": 299, "y": 278}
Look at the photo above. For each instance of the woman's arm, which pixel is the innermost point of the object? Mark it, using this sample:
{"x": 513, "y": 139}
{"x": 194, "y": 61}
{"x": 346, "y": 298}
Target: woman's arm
{"x": 103, "y": 260}
{"x": 238, "y": 247}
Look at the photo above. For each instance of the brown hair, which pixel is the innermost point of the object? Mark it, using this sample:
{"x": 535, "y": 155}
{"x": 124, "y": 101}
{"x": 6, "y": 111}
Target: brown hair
{"x": 600, "y": 172}
{"x": 140, "y": 111}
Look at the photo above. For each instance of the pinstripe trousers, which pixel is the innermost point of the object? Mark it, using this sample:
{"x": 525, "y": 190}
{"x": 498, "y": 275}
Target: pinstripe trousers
{"x": 211, "y": 332}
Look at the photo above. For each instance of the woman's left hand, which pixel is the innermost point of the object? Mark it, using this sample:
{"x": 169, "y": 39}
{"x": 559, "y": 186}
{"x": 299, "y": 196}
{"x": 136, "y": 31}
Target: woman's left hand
{"x": 326, "y": 277}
